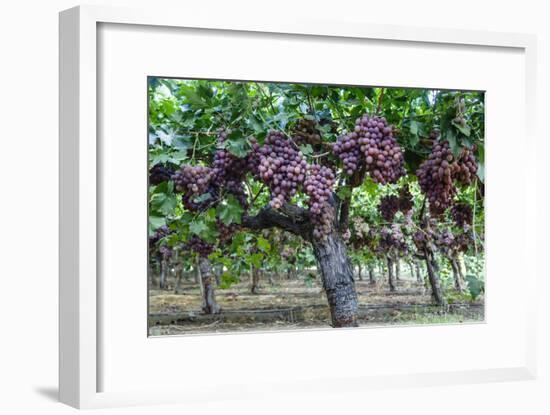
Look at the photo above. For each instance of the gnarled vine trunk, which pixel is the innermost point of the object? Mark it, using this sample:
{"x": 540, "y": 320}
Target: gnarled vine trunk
{"x": 338, "y": 282}
{"x": 459, "y": 285}
{"x": 390, "y": 273}
{"x": 418, "y": 272}
{"x": 433, "y": 277}
{"x": 330, "y": 253}
{"x": 163, "y": 271}
{"x": 371, "y": 274}
{"x": 411, "y": 269}
{"x": 255, "y": 274}
{"x": 209, "y": 304}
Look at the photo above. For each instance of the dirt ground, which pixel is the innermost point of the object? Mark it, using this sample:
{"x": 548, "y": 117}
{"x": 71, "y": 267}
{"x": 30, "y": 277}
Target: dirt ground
{"x": 291, "y": 304}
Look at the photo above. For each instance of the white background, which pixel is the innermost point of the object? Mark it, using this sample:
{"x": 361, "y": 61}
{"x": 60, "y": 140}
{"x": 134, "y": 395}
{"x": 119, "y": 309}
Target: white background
{"x": 28, "y": 306}
{"x": 129, "y": 53}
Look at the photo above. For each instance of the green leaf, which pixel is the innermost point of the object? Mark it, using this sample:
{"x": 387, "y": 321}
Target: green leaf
{"x": 227, "y": 279}
{"x": 370, "y": 186}
{"x": 192, "y": 97}
{"x": 230, "y": 211}
{"x": 203, "y": 198}
{"x": 306, "y": 149}
{"x": 164, "y": 203}
{"x": 155, "y": 222}
{"x": 157, "y": 156}
{"x": 475, "y": 286}
{"x": 343, "y": 192}
{"x": 451, "y": 138}
{"x": 414, "y": 128}
{"x": 177, "y": 157}
{"x": 198, "y": 227}
{"x": 263, "y": 244}
{"x": 236, "y": 144}
{"x": 256, "y": 259}
{"x": 464, "y": 129}
{"x": 204, "y": 229}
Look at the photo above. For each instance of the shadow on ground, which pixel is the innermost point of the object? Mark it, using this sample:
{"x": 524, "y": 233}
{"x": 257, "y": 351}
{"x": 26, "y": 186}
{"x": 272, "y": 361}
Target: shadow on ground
{"x": 51, "y": 393}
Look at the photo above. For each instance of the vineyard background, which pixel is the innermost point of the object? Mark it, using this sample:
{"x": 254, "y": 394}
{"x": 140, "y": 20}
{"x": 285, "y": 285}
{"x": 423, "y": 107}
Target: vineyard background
{"x": 370, "y": 220}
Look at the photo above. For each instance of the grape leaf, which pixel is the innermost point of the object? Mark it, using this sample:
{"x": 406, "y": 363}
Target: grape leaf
{"x": 464, "y": 129}
{"x": 198, "y": 227}
{"x": 306, "y": 149}
{"x": 204, "y": 230}
{"x": 227, "y": 280}
{"x": 451, "y": 138}
{"x": 230, "y": 211}
{"x": 192, "y": 97}
{"x": 155, "y": 222}
{"x": 263, "y": 244}
{"x": 256, "y": 259}
{"x": 164, "y": 203}
{"x": 475, "y": 286}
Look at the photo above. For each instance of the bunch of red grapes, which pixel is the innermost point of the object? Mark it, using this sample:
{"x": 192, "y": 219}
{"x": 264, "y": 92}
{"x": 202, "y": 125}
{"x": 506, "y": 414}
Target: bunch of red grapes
{"x": 281, "y": 167}
{"x": 437, "y": 175}
{"x": 155, "y": 238}
{"x": 226, "y": 232}
{"x": 406, "y": 202}
{"x": 318, "y": 186}
{"x": 305, "y": 132}
{"x": 371, "y": 144}
{"x": 462, "y": 214}
{"x": 159, "y": 173}
{"x": 392, "y": 239}
{"x": 389, "y": 206}
{"x": 192, "y": 182}
{"x": 199, "y": 246}
{"x": 229, "y": 170}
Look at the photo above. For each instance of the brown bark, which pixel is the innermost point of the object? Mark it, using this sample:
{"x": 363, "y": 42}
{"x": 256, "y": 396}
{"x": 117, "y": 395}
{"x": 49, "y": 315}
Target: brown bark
{"x": 338, "y": 282}
{"x": 433, "y": 277}
{"x": 390, "y": 273}
{"x": 330, "y": 252}
{"x": 163, "y": 272}
{"x": 418, "y": 272}
{"x": 255, "y": 286}
{"x": 291, "y": 271}
{"x": 459, "y": 286}
{"x": 371, "y": 274}
{"x": 209, "y": 304}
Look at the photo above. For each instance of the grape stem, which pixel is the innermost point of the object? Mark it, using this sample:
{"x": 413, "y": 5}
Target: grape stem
{"x": 380, "y": 98}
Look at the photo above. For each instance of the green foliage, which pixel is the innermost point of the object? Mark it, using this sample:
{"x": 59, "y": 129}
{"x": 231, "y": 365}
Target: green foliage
{"x": 185, "y": 115}
{"x": 475, "y": 286}
{"x": 230, "y": 211}
{"x": 227, "y": 279}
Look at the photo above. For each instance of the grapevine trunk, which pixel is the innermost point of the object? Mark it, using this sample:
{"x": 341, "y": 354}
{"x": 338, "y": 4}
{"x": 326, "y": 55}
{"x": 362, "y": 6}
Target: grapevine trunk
{"x": 338, "y": 282}
{"x": 437, "y": 293}
{"x": 255, "y": 280}
{"x": 209, "y": 304}
{"x": 390, "y": 274}
{"x": 456, "y": 274}
{"x": 371, "y": 274}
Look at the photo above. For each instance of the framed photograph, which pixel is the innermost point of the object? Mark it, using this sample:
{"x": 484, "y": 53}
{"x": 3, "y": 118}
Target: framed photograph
{"x": 299, "y": 190}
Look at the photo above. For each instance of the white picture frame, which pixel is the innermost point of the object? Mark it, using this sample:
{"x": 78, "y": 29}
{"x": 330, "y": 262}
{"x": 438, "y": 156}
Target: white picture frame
{"x": 79, "y": 165}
